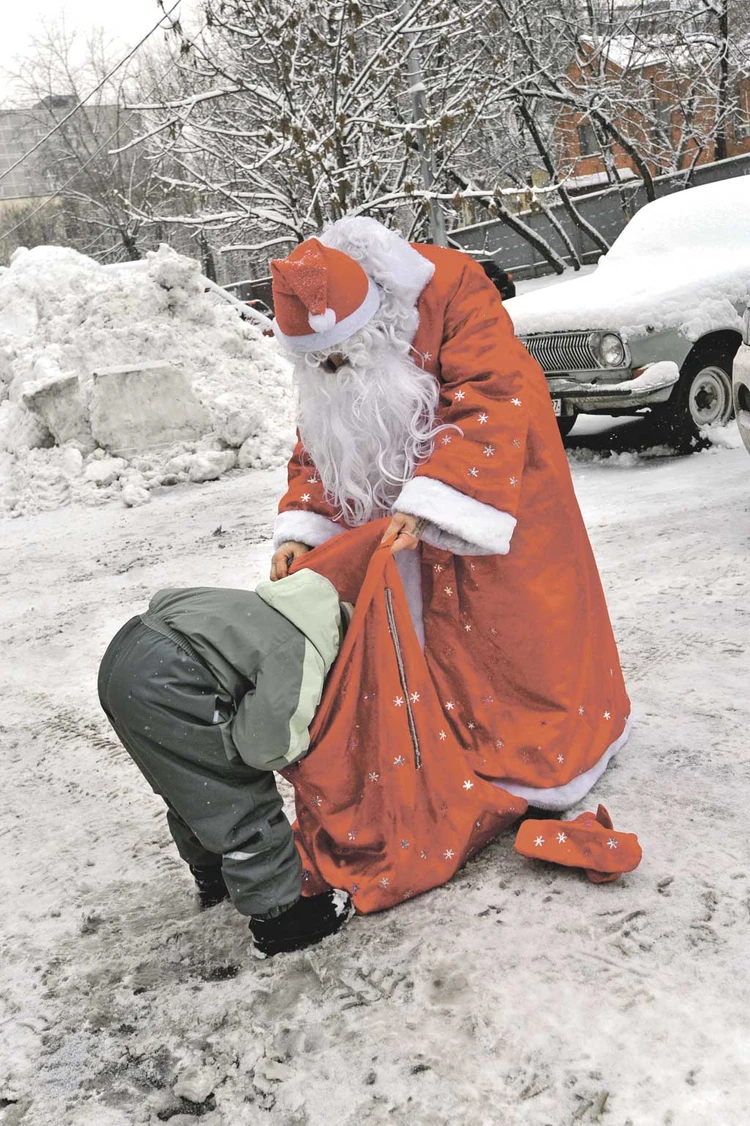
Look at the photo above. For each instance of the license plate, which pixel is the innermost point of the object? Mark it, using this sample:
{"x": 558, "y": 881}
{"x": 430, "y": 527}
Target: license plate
{"x": 557, "y": 407}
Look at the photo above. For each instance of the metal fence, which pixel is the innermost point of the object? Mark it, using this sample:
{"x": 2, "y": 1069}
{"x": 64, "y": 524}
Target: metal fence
{"x": 602, "y": 209}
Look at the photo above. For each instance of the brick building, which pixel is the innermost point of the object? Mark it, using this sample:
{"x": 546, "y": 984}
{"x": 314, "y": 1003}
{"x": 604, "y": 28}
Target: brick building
{"x": 659, "y": 105}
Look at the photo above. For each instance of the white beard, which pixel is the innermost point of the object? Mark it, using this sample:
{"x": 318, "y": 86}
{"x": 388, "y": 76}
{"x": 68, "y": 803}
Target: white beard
{"x": 367, "y": 426}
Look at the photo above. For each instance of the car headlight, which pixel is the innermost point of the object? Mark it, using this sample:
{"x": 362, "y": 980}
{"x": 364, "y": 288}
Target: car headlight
{"x": 609, "y": 349}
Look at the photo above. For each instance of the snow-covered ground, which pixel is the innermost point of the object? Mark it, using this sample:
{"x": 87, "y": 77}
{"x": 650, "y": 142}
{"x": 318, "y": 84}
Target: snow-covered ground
{"x": 518, "y": 994}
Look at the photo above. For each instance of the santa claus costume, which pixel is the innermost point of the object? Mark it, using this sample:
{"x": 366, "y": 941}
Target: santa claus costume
{"x": 438, "y": 411}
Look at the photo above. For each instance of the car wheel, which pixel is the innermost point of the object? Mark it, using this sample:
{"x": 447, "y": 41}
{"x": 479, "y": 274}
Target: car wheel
{"x": 565, "y": 424}
{"x": 702, "y": 397}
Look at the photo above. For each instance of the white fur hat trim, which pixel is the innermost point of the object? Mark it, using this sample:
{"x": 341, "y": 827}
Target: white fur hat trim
{"x": 338, "y": 331}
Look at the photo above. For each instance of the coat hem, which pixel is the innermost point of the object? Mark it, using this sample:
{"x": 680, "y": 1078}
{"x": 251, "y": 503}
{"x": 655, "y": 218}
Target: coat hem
{"x": 564, "y": 797}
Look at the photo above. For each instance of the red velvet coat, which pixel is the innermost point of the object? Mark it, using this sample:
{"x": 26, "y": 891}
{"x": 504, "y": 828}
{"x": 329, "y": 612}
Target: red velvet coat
{"x": 517, "y": 639}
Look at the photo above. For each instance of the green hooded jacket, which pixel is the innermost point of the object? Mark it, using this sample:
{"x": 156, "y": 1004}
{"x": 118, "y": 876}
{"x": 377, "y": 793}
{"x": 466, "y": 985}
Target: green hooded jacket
{"x": 270, "y": 651}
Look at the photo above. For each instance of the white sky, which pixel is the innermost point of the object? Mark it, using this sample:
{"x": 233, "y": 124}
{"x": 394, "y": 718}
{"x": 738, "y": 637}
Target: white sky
{"x": 125, "y": 22}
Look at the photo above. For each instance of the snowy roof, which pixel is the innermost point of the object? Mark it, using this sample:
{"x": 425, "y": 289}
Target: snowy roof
{"x": 682, "y": 262}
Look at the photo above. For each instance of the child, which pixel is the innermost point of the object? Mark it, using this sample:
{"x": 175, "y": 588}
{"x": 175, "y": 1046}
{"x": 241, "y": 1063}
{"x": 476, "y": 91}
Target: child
{"x": 209, "y": 692}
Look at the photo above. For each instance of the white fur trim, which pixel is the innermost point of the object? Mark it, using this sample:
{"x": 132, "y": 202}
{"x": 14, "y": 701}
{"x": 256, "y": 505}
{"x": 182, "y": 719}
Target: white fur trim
{"x": 321, "y": 322}
{"x": 409, "y": 565}
{"x": 459, "y": 523}
{"x": 384, "y": 255}
{"x": 316, "y": 341}
{"x": 563, "y": 797}
{"x": 305, "y": 527}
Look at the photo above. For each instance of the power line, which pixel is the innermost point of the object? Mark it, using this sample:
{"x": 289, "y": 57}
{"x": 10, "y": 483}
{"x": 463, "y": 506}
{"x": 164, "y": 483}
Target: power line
{"x": 95, "y": 154}
{"x": 59, "y": 124}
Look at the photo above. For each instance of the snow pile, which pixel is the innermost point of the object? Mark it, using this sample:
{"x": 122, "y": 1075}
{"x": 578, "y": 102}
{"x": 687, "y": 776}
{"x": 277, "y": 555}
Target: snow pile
{"x": 682, "y": 263}
{"x": 115, "y": 380}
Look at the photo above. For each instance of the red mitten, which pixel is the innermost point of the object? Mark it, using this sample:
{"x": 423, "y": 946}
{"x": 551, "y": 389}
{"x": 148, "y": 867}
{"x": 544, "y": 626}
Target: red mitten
{"x": 589, "y": 841}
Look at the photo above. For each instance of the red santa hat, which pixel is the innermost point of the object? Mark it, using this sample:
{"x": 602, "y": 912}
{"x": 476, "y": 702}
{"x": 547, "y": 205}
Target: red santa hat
{"x": 321, "y": 296}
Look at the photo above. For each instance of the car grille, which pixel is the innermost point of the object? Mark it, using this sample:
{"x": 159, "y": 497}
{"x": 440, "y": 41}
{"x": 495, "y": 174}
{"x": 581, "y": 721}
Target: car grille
{"x": 562, "y": 351}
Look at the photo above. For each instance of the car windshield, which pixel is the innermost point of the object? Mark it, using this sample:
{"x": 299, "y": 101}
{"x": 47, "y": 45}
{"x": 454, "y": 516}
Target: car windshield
{"x": 711, "y": 219}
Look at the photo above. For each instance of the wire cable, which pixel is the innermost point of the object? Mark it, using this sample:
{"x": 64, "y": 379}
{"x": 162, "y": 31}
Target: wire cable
{"x": 59, "y": 124}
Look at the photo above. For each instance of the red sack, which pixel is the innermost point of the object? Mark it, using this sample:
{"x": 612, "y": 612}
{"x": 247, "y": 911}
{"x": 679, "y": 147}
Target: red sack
{"x": 387, "y": 804}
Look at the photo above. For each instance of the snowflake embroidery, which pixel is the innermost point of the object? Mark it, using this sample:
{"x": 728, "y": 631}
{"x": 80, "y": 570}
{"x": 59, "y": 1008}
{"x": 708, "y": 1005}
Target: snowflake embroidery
{"x": 581, "y": 710}
{"x": 305, "y": 875}
{"x": 607, "y": 715}
{"x": 561, "y": 758}
{"x": 427, "y": 355}
{"x": 561, "y": 838}
{"x": 468, "y": 784}
{"x": 449, "y": 706}
{"x": 415, "y": 697}
{"x": 399, "y": 760}
{"x": 473, "y": 472}
{"x": 423, "y": 855}
{"x": 493, "y": 631}
{"x": 482, "y": 418}
{"x": 447, "y": 440}
{"x": 312, "y": 480}
{"x": 611, "y": 843}
{"x": 514, "y": 481}
{"x": 488, "y": 700}
{"x": 437, "y": 568}
{"x": 516, "y": 402}
{"x": 442, "y": 735}
{"x": 467, "y": 627}
{"x": 516, "y": 443}
{"x": 611, "y": 672}
{"x": 472, "y": 566}
{"x": 538, "y": 842}
{"x": 305, "y": 496}
{"x": 449, "y": 591}
{"x": 460, "y": 395}
{"x": 352, "y": 836}
{"x": 399, "y": 702}
{"x": 317, "y": 801}
{"x": 471, "y": 725}
{"x": 373, "y": 777}
{"x": 489, "y": 451}
{"x": 499, "y": 743}
{"x": 404, "y": 844}
{"x": 448, "y": 854}
{"x": 384, "y": 882}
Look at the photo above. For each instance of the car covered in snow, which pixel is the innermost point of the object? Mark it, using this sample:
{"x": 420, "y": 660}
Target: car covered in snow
{"x": 741, "y": 382}
{"x": 657, "y": 324}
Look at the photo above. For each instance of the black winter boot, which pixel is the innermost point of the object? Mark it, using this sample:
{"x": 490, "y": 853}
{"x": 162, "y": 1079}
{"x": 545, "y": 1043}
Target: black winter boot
{"x": 209, "y": 884}
{"x": 306, "y": 922}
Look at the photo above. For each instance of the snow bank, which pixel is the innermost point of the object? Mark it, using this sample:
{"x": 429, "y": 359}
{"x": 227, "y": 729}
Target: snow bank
{"x": 115, "y": 380}
{"x": 682, "y": 263}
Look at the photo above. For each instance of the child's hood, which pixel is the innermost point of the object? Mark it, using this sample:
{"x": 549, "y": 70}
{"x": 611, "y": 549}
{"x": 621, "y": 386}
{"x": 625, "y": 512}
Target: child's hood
{"x": 311, "y": 603}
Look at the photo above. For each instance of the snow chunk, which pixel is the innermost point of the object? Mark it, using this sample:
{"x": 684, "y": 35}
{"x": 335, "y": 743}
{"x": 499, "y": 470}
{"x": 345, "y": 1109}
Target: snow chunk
{"x": 139, "y": 406}
{"x": 64, "y": 317}
{"x": 195, "y": 1084}
{"x": 211, "y": 464}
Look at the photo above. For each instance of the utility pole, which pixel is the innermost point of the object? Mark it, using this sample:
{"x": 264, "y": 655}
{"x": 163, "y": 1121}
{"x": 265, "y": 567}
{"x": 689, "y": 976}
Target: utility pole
{"x": 418, "y": 94}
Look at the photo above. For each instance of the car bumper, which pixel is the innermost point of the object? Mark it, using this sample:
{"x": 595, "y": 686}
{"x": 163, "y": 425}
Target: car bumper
{"x": 653, "y": 384}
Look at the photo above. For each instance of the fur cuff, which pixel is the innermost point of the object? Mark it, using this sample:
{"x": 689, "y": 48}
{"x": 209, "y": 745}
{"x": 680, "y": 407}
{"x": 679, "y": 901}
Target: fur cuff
{"x": 305, "y": 527}
{"x": 458, "y": 523}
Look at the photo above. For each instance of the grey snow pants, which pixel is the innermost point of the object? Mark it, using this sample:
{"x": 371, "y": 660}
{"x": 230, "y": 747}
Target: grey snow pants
{"x": 162, "y": 705}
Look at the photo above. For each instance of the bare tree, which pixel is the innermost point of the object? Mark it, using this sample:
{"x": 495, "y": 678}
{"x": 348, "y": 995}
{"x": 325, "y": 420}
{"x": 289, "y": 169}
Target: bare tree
{"x": 100, "y": 187}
